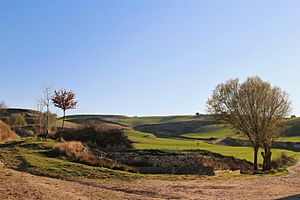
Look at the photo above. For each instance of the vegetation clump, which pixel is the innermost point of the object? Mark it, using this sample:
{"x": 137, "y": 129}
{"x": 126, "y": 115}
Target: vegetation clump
{"x": 97, "y": 137}
{"x": 6, "y": 133}
{"x": 283, "y": 160}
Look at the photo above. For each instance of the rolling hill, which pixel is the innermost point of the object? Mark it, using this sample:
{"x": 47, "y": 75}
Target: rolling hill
{"x": 190, "y": 126}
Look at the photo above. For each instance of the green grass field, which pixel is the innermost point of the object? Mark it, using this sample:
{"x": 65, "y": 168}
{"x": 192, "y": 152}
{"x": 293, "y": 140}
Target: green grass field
{"x": 289, "y": 139}
{"x": 210, "y": 131}
{"x": 281, "y": 139}
{"x": 146, "y": 141}
{"x": 135, "y": 121}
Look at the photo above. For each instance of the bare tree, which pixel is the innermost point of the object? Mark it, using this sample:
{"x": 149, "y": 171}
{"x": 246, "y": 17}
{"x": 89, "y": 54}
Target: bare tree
{"x": 253, "y": 107}
{"x": 2, "y": 105}
{"x": 46, "y": 102}
{"x": 39, "y": 119}
{"x": 276, "y": 107}
{"x": 45, "y": 122}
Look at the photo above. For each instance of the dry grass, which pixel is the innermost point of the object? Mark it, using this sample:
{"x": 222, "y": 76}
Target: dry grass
{"x": 78, "y": 152}
{"x": 6, "y": 133}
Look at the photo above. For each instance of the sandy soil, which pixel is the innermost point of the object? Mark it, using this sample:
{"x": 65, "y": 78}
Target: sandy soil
{"x": 20, "y": 185}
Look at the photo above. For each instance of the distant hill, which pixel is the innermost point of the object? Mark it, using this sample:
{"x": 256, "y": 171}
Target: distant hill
{"x": 293, "y": 127}
{"x": 30, "y": 116}
{"x": 164, "y": 126}
{"x": 202, "y": 126}
{"x": 103, "y": 121}
{"x": 153, "y": 124}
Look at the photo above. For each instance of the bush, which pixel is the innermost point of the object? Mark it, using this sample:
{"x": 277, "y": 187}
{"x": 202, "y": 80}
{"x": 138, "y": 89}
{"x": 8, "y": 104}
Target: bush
{"x": 17, "y": 119}
{"x": 75, "y": 150}
{"x": 78, "y": 152}
{"x": 97, "y": 138}
{"x": 282, "y": 161}
{"x": 6, "y": 133}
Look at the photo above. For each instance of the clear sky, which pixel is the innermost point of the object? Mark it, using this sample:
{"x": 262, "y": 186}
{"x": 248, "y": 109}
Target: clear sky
{"x": 145, "y": 57}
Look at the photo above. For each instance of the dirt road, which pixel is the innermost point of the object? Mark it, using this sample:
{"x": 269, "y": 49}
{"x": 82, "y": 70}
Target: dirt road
{"x": 20, "y": 185}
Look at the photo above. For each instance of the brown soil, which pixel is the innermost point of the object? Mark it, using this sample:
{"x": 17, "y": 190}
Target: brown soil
{"x": 20, "y": 185}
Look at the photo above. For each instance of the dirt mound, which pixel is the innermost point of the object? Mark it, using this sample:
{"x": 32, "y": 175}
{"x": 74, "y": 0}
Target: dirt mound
{"x": 6, "y": 133}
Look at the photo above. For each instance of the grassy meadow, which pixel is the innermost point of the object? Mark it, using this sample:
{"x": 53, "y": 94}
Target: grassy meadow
{"x": 149, "y": 141}
{"x": 209, "y": 131}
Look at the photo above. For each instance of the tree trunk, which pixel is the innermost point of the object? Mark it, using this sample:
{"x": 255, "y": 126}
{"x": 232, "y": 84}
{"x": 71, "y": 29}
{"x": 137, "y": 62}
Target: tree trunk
{"x": 264, "y": 161}
{"x": 63, "y": 123}
{"x": 255, "y": 167}
{"x": 268, "y": 166}
{"x": 267, "y": 158}
{"x": 47, "y": 120}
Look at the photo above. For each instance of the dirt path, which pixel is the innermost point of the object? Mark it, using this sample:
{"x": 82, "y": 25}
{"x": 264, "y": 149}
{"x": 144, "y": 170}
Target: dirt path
{"x": 20, "y": 185}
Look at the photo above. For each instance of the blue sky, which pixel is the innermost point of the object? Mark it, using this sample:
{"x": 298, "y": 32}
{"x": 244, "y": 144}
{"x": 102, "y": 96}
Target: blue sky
{"x": 145, "y": 57}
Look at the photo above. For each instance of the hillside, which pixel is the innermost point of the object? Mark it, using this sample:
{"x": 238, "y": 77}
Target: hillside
{"x": 31, "y": 117}
{"x": 190, "y": 126}
{"x": 103, "y": 121}
{"x": 170, "y": 125}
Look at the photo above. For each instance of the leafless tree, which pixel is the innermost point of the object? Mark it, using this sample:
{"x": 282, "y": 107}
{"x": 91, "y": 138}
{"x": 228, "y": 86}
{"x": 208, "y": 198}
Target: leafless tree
{"x": 40, "y": 116}
{"x": 2, "y": 105}
{"x": 253, "y": 107}
{"x": 45, "y": 102}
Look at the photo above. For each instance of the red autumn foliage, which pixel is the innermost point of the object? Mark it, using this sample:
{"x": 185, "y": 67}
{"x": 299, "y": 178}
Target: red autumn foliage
{"x": 64, "y": 100}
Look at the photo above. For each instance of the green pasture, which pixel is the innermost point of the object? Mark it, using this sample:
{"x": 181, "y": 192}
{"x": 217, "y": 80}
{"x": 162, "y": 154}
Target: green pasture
{"x": 147, "y": 141}
{"x": 209, "y": 131}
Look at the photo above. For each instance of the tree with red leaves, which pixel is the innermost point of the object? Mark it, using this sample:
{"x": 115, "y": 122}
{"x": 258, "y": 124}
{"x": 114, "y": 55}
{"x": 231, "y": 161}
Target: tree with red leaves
{"x": 64, "y": 100}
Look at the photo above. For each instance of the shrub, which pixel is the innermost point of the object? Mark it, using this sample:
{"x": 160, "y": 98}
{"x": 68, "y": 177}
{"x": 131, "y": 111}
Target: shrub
{"x": 282, "y": 161}
{"x": 97, "y": 138}
{"x": 6, "y": 133}
{"x": 75, "y": 150}
{"x": 17, "y": 119}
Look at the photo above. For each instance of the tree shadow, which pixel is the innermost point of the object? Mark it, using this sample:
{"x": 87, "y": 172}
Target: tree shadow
{"x": 24, "y": 165}
{"x": 11, "y": 144}
{"x": 294, "y": 197}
